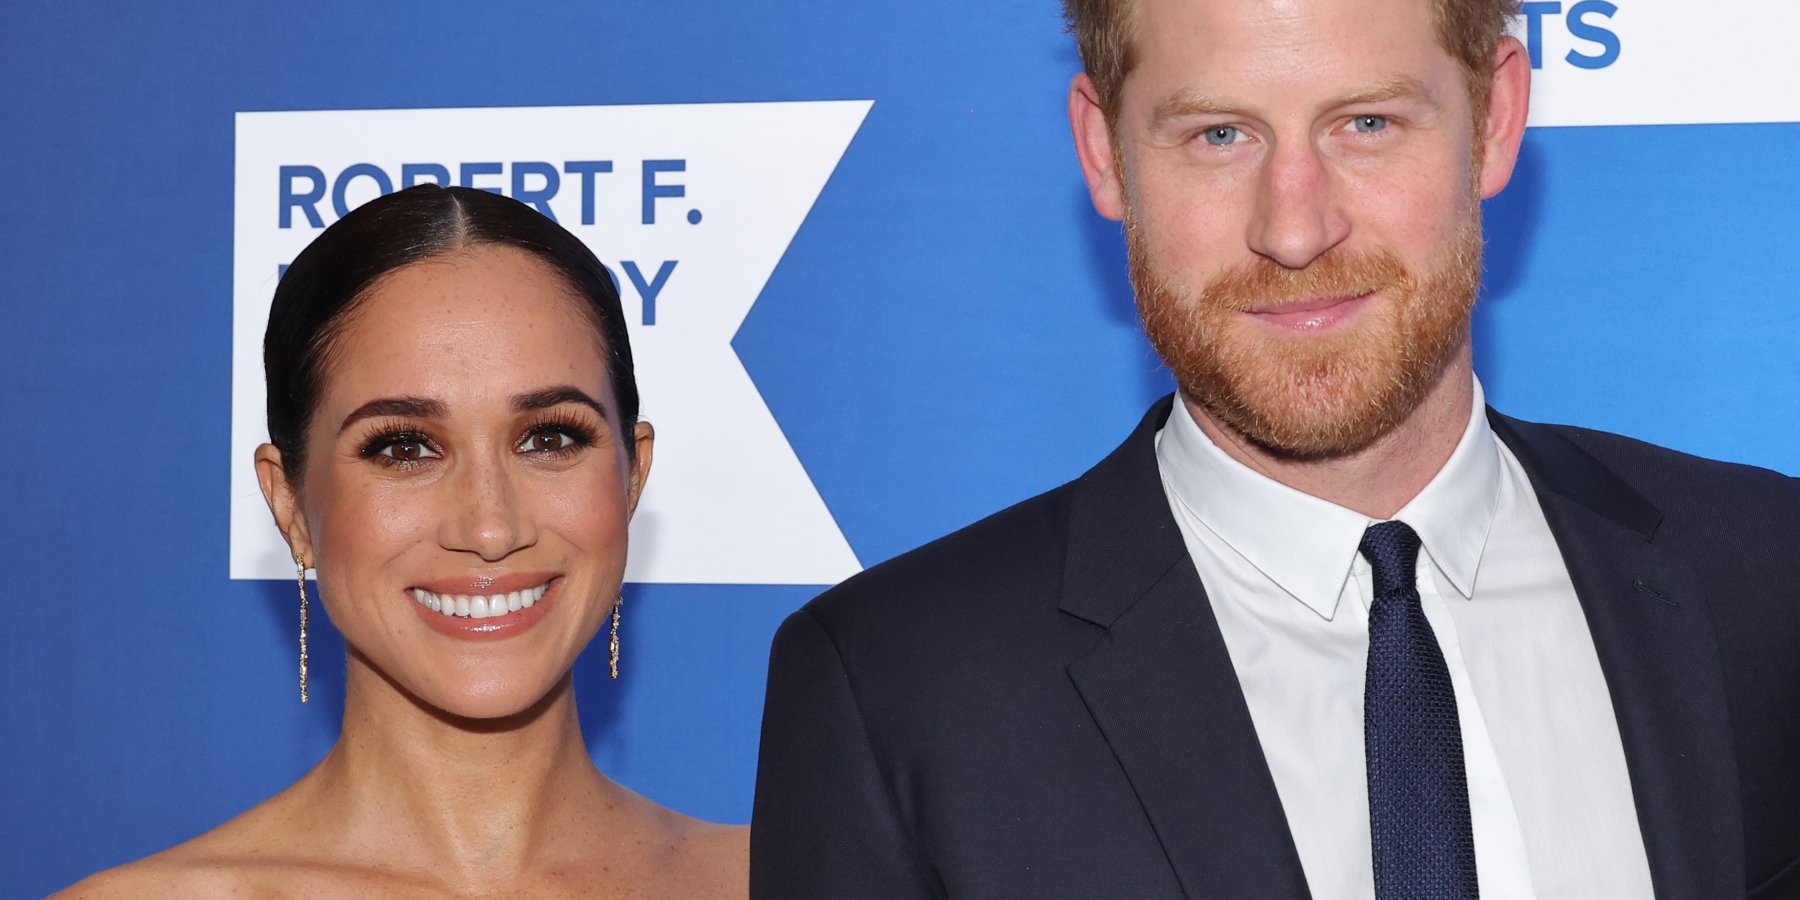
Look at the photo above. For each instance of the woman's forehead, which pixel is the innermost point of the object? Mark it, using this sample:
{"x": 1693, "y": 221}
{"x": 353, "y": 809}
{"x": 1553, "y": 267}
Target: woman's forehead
{"x": 483, "y": 321}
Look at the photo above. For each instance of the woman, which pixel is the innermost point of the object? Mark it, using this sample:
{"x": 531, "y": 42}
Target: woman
{"x": 454, "y": 448}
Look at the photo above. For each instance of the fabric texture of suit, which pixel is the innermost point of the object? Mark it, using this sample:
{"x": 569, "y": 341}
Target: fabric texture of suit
{"x": 1041, "y": 704}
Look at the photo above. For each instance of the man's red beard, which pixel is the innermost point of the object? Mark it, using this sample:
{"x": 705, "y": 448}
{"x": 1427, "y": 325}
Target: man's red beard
{"x": 1313, "y": 396}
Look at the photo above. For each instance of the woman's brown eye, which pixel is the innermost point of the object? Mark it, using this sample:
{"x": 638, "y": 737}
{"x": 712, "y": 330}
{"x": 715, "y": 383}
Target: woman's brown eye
{"x": 406, "y": 450}
{"x": 547, "y": 441}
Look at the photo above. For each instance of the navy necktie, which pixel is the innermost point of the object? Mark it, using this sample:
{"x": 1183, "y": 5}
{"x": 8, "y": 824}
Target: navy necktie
{"x": 1424, "y": 845}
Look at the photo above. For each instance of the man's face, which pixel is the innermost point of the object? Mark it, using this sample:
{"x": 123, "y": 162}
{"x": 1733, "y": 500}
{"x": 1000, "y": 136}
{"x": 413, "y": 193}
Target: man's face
{"x": 1300, "y": 189}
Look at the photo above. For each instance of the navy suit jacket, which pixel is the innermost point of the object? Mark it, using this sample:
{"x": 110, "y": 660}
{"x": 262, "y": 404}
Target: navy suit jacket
{"x": 1041, "y": 704}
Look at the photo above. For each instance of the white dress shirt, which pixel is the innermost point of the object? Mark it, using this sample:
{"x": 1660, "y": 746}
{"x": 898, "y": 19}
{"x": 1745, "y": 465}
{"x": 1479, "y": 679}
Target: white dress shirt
{"x": 1549, "y": 794}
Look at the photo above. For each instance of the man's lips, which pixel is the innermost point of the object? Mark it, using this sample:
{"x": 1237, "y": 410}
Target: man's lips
{"x": 1312, "y": 315}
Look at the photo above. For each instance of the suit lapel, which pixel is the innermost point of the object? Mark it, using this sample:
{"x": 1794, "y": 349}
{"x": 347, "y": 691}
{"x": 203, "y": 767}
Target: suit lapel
{"x": 1161, "y": 688}
{"x": 1654, "y": 637}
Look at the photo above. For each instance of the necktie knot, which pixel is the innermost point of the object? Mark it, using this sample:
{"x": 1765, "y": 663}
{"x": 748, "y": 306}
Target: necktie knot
{"x": 1392, "y": 549}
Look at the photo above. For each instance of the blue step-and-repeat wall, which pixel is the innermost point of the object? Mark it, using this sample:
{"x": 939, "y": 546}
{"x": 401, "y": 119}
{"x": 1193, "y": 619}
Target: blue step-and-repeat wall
{"x": 869, "y": 299}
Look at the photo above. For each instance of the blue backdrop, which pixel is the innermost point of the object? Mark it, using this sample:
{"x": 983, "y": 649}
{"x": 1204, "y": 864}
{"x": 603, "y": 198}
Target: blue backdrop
{"x": 950, "y": 331}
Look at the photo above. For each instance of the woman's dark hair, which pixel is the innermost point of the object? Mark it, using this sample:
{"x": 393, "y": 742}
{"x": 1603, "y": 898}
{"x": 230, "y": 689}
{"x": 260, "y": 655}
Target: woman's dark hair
{"x": 337, "y": 270}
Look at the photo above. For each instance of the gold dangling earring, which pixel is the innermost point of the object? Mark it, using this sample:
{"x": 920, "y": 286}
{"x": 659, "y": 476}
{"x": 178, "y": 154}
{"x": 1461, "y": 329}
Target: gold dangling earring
{"x": 300, "y": 576}
{"x": 612, "y": 646}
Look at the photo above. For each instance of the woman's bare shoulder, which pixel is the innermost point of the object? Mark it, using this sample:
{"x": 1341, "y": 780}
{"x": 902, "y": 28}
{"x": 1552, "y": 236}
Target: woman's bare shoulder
{"x": 231, "y": 860}
{"x": 716, "y": 856}
{"x": 176, "y": 872}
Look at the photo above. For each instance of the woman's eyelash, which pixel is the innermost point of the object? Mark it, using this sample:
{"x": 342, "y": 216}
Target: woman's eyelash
{"x": 383, "y": 438}
{"x": 578, "y": 432}
{"x": 377, "y": 443}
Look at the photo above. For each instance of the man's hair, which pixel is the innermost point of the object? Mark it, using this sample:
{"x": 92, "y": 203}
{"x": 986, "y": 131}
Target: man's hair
{"x": 1467, "y": 29}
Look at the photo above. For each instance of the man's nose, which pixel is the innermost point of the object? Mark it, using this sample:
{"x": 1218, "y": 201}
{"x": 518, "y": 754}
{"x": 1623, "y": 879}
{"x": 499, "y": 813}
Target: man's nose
{"x": 485, "y": 512}
{"x": 1297, "y": 218}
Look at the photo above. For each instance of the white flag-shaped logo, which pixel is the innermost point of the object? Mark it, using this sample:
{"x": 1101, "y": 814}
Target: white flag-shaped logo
{"x": 1654, "y": 62}
{"x": 690, "y": 206}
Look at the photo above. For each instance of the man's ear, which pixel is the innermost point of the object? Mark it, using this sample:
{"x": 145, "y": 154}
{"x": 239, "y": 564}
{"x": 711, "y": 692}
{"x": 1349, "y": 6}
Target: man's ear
{"x": 284, "y": 503}
{"x": 1094, "y": 147}
{"x": 1509, "y": 103}
{"x": 644, "y": 437}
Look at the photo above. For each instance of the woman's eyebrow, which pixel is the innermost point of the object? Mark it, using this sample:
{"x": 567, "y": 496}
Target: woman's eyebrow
{"x": 556, "y": 396}
{"x": 410, "y": 407}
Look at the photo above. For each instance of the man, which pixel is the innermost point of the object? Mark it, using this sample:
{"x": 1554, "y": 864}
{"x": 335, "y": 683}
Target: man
{"x": 1323, "y": 623}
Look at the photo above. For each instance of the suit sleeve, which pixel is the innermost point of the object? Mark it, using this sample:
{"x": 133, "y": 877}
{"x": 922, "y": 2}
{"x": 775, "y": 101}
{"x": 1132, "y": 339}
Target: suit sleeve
{"x": 824, "y": 822}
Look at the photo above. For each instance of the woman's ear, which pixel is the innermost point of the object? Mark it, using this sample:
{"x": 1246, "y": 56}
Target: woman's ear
{"x": 284, "y": 503}
{"x": 644, "y": 437}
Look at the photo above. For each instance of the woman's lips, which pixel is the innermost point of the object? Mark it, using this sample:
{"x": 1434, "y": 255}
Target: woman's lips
{"x": 486, "y": 584}
{"x": 1312, "y": 315}
{"x": 494, "y": 611}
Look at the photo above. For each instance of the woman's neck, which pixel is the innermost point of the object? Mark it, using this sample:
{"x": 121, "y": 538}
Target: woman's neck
{"x": 479, "y": 800}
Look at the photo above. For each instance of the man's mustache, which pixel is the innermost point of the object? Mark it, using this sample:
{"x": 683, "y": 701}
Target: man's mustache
{"x": 1260, "y": 284}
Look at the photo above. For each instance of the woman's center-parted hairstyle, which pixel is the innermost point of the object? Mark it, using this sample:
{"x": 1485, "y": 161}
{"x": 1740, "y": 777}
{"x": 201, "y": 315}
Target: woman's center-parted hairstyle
{"x": 322, "y": 288}
{"x": 1468, "y": 30}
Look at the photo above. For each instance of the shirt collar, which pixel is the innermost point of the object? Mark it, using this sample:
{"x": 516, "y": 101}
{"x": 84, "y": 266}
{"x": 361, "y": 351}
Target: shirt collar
{"x": 1306, "y": 545}
{"x": 1455, "y": 511}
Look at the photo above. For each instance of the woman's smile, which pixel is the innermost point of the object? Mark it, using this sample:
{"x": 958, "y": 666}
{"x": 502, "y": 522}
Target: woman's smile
{"x": 471, "y": 610}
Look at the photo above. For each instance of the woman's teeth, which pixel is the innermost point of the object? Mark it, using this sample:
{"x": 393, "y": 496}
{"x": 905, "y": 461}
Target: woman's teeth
{"x": 471, "y": 606}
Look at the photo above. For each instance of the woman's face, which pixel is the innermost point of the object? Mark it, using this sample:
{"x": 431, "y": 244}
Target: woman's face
{"x": 464, "y": 459}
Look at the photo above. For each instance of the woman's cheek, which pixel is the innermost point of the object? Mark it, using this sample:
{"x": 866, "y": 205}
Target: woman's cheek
{"x": 611, "y": 516}
{"x": 384, "y": 531}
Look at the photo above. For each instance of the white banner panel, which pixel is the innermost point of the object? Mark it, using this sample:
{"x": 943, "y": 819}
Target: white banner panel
{"x": 691, "y": 206}
{"x": 1662, "y": 62}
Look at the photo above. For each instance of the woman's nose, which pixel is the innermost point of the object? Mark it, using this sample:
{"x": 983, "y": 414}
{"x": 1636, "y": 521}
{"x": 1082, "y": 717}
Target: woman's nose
{"x": 485, "y": 510}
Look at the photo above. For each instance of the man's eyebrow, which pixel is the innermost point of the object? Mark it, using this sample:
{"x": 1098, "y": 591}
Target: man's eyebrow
{"x": 1191, "y": 103}
{"x": 415, "y": 407}
{"x": 556, "y": 396}
{"x": 1399, "y": 87}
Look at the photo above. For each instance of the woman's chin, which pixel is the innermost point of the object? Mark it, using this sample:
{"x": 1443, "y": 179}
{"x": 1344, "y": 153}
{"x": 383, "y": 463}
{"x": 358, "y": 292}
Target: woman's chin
{"x": 496, "y": 706}
{"x": 493, "y": 698}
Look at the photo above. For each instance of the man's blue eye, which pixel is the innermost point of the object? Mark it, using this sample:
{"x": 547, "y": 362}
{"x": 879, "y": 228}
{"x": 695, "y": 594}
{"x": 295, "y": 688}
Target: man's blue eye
{"x": 1368, "y": 124}
{"x": 1222, "y": 136}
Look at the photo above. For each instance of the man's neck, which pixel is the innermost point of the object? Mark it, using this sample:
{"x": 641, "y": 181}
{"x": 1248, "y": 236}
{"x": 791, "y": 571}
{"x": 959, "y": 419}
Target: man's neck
{"x": 1381, "y": 478}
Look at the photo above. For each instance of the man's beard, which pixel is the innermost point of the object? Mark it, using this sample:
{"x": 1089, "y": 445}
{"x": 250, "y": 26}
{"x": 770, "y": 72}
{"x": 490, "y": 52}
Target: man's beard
{"x": 1313, "y": 396}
